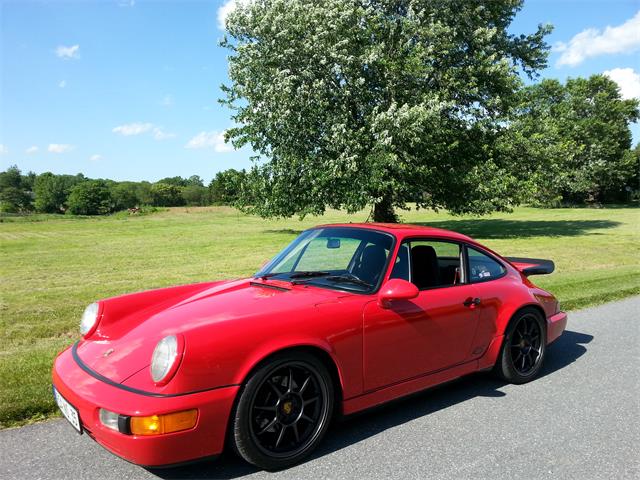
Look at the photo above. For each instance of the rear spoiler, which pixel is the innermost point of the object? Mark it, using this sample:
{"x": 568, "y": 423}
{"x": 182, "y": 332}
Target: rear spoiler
{"x": 532, "y": 266}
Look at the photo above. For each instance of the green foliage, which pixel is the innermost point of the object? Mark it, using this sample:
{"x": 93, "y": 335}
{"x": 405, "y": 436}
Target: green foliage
{"x": 166, "y": 195}
{"x": 144, "y": 193}
{"x": 226, "y": 186}
{"x": 15, "y": 191}
{"x": 175, "y": 181}
{"x": 51, "y": 191}
{"x": 195, "y": 195}
{"x": 193, "y": 180}
{"x": 91, "y": 197}
{"x": 124, "y": 195}
{"x": 633, "y": 161}
{"x": 350, "y": 103}
{"x": 578, "y": 133}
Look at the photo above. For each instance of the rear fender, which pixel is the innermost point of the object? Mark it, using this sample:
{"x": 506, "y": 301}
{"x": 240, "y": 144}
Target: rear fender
{"x": 490, "y": 356}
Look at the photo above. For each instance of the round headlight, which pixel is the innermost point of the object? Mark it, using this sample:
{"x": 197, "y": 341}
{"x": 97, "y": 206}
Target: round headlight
{"x": 164, "y": 359}
{"x": 89, "y": 318}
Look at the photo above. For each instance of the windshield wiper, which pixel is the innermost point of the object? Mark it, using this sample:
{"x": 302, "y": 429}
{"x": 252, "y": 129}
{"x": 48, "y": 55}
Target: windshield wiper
{"x": 308, "y": 274}
{"x": 348, "y": 278}
{"x": 301, "y": 274}
{"x": 269, "y": 275}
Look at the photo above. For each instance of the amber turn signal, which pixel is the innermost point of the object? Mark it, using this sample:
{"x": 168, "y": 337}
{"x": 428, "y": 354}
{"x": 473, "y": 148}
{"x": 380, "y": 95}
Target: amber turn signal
{"x": 168, "y": 423}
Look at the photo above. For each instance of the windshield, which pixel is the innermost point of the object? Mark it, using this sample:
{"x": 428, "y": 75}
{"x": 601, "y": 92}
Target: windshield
{"x": 335, "y": 257}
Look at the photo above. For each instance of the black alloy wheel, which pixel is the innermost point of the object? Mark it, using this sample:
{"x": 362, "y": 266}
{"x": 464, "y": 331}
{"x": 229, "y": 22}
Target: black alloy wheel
{"x": 283, "y": 411}
{"x": 524, "y": 347}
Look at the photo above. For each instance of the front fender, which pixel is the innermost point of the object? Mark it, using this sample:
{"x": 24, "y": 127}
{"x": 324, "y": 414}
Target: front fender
{"x": 273, "y": 346}
{"x": 226, "y": 352}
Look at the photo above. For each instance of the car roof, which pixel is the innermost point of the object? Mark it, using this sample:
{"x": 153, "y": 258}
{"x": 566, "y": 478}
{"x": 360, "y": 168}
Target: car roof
{"x": 402, "y": 230}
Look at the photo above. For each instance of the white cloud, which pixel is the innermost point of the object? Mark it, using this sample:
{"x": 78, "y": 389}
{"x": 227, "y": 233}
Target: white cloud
{"x": 627, "y": 79}
{"x": 32, "y": 149}
{"x": 68, "y": 52}
{"x": 136, "y": 128}
{"x": 160, "y": 134}
{"x": 60, "y": 147}
{"x": 592, "y": 42}
{"x": 3, "y": 150}
{"x": 225, "y": 9}
{"x": 167, "y": 101}
{"x": 95, "y": 157}
{"x": 62, "y": 83}
{"x": 127, "y": 3}
{"x": 214, "y": 140}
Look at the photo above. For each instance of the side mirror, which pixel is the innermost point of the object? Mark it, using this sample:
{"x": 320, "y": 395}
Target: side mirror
{"x": 396, "y": 289}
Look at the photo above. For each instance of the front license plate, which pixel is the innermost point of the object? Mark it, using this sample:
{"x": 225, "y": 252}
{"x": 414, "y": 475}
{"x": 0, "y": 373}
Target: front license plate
{"x": 69, "y": 411}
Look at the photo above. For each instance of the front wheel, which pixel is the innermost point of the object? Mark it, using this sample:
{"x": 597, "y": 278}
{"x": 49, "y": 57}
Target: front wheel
{"x": 523, "y": 348}
{"x": 283, "y": 411}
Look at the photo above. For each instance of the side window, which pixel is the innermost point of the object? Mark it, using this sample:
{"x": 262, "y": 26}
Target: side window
{"x": 428, "y": 264}
{"x": 401, "y": 266}
{"x": 482, "y": 267}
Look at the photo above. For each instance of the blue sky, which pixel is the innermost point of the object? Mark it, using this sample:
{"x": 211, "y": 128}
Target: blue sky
{"x": 128, "y": 89}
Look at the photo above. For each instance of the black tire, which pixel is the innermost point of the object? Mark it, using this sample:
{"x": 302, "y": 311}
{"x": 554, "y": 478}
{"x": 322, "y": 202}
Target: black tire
{"x": 523, "y": 348}
{"x": 283, "y": 411}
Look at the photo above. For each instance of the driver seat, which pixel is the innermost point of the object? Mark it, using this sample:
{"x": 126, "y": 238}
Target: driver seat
{"x": 424, "y": 266}
{"x": 371, "y": 264}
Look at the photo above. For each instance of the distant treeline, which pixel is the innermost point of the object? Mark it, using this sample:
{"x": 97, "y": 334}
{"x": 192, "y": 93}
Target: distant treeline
{"x": 79, "y": 195}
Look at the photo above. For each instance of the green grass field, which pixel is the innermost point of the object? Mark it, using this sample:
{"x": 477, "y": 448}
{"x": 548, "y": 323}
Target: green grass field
{"x": 51, "y": 267}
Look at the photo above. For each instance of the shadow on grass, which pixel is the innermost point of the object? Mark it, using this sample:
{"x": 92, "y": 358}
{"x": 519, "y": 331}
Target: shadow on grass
{"x": 357, "y": 428}
{"x": 288, "y": 231}
{"x": 498, "y": 228}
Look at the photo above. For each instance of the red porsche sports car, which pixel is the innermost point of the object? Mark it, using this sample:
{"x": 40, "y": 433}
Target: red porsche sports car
{"x": 346, "y": 317}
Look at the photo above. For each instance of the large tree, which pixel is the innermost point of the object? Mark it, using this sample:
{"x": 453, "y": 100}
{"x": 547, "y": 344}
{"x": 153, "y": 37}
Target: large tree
{"x": 91, "y": 197}
{"x": 578, "y": 133}
{"x": 350, "y": 103}
{"x": 51, "y": 191}
{"x": 226, "y": 185}
{"x": 15, "y": 195}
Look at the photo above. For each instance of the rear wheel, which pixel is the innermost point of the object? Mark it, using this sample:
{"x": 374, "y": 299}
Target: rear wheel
{"x": 283, "y": 411}
{"x": 523, "y": 348}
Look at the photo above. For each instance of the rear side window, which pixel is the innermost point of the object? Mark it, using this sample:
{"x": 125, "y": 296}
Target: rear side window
{"x": 482, "y": 267}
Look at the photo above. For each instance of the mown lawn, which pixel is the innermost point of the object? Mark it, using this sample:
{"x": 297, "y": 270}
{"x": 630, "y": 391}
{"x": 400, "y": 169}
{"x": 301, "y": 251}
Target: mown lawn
{"x": 52, "y": 267}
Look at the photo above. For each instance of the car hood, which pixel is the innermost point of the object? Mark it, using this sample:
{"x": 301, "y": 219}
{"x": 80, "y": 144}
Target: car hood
{"x": 125, "y": 338}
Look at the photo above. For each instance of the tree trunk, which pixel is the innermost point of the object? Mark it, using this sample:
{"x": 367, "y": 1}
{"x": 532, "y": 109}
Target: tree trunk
{"x": 383, "y": 211}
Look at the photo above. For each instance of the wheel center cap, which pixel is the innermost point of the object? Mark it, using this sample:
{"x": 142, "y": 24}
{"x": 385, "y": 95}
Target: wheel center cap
{"x": 290, "y": 409}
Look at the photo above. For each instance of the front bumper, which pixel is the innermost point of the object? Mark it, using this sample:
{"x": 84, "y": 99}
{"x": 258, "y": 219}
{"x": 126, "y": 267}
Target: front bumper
{"x": 89, "y": 394}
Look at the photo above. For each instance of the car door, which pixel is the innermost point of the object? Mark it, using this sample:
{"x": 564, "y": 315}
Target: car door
{"x": 488, "y": 276}
{"x": 428, "y": 333}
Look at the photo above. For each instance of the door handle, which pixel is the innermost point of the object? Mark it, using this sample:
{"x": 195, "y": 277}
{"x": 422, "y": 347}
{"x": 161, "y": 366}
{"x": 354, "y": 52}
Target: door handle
{"x": 471, "y": 302}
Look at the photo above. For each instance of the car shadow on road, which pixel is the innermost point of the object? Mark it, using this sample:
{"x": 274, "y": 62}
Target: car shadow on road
{"x": 356, "y": 428}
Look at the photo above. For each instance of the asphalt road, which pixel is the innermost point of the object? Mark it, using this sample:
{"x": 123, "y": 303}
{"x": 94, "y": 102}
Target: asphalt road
{"x": 579, "y": 420}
